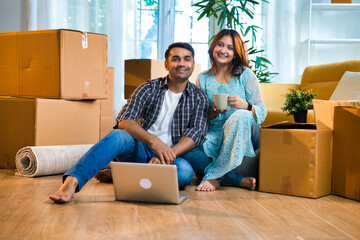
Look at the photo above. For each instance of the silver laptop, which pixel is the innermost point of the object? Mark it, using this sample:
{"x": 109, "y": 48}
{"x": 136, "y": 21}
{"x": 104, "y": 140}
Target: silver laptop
{"x": 140, "y": 182}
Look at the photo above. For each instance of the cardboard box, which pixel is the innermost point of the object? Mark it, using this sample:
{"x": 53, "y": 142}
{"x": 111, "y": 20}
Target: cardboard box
{"x": 53, "y": 64}
{"x": 107, "y": 106}
{"x": 295, "y": 159}
{"x": 138, "y": 71}
{"x": 346, "y": 155}
{"x": 41, "y": 122}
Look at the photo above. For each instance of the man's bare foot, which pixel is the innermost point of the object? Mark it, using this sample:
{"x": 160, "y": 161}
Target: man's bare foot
{"x": 104, "y": 176}
{"x": 66, "y": 191}
{"x": 208, "y": 185}
{"x": 249, "y": 183}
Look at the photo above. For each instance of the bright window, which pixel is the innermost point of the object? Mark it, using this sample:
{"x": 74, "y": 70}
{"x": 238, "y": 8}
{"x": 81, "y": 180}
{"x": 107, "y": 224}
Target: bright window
{"x": 189, "y": 29}
{"x": 186, "y": 28}
{"x": 147, "y": 28}
{"x": 87, "y": 16}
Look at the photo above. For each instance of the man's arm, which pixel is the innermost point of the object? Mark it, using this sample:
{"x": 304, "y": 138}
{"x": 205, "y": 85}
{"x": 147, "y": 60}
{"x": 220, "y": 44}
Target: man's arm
{"x": 163, "y": 151}
{"x": 197, "y": 128}
{"x": 184, "y": 145}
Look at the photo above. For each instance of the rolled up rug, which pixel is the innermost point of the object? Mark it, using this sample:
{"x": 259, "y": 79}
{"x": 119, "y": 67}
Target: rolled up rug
{"x": 48, "y": 160}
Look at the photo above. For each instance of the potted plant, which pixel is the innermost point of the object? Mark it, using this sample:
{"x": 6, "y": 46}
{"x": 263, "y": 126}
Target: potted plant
{"x": 297, "y": 103}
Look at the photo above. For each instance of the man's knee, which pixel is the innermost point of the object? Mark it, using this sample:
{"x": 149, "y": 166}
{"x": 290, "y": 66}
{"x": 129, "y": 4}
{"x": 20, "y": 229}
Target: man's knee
{"x": 117, "y": 133}
{"x": 185, "y": 172}
{"x": 198, "y": 160}
{"x": 117, "y": 137}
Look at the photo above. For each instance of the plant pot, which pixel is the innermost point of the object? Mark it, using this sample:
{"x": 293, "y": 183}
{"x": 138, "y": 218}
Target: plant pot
{"x": 300, "y": 116}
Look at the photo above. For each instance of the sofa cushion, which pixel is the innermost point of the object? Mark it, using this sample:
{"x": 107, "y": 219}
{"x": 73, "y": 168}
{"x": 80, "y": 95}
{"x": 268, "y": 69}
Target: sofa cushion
{"x": 323, "y": 89}
{"x": 272, "y": 94}
{"x": 323, "y": 79}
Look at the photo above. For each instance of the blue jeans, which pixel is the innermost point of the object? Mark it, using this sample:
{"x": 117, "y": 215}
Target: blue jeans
{"x": 199, "y": 161}
{"x": 121, "y": 145}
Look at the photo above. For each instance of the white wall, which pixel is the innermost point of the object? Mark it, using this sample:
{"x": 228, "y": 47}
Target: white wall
{"x": 12, "y": 15}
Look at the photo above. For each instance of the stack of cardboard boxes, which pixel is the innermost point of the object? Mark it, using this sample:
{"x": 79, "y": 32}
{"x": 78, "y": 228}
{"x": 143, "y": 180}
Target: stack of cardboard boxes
{"x": 313, "y": 160}
{"x": 51, "y": 83}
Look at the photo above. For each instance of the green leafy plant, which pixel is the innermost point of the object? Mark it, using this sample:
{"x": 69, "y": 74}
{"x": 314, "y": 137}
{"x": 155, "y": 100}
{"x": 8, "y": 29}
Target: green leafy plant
{"x": 234, "y": 14}
{"x": 298, "y": 100}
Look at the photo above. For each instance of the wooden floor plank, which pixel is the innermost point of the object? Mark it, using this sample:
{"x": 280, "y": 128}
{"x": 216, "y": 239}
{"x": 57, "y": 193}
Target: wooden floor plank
{"x": 65, "y": 221}
{"x": 108, "y": 217}
{"x": 351, "y": 205}
{"x": 302, "y": 222}
{"x": 228, "y": 213}
{"x": 24, "y": 201}
{"x": 208, "y": 219}
{"x": 252, "y": 218}
{"x": 134, "y": 220}
{"x": 340, "y": 218}
{"x": 158, "y": 221}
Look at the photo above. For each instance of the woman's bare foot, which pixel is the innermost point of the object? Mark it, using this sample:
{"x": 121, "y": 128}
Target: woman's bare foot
{"x": 104, "y": 176}
{"x": 66, "y": 192}
{"x": 208, "y": 185}
{"x": 249, "y": 183}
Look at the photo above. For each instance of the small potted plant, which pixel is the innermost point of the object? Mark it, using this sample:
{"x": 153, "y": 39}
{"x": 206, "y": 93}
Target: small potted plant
{"x": 297, "y": 103}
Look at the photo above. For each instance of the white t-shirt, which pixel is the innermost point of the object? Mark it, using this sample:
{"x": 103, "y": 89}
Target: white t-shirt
{"x": 162, "y": 126}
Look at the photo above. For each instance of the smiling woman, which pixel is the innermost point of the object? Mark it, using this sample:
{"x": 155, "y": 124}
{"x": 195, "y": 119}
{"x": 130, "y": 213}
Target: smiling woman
{"x": 233, "y": 132}
{"x": 223, "y": 52}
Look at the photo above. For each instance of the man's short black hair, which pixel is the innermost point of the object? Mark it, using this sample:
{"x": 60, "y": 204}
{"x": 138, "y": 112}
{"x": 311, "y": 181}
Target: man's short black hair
{"x": 179, "y": 45}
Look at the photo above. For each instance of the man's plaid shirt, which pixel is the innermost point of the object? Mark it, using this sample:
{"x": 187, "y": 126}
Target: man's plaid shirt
{"x": 190, "y": 117}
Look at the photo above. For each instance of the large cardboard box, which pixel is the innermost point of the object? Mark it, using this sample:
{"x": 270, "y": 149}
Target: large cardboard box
{"x": 53, "y": 64}
{"x": 296, "y": 159}
{"x": 41, "y": 122}
{"x": 138, "y": 71}
{"x": 346, "y": 155}
{"x": 107, "y": 106}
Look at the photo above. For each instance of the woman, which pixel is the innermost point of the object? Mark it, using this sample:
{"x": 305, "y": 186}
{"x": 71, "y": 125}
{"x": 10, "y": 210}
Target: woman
{"x": 233, "y": 133}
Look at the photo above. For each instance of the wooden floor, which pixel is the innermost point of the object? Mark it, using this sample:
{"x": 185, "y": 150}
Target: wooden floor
{"x": 228, "y": 213}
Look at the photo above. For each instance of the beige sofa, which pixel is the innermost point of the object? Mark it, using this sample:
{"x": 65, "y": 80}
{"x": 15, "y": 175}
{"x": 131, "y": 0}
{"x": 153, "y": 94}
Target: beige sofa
{"x": 322, "y": 79}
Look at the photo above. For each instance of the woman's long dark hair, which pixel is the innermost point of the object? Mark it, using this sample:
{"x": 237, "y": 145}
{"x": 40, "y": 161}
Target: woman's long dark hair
{"x": 240, "y": 52}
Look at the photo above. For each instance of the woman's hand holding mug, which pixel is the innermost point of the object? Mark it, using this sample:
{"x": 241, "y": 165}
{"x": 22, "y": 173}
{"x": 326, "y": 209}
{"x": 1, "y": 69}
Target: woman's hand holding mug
{"x": 236, "y": 102}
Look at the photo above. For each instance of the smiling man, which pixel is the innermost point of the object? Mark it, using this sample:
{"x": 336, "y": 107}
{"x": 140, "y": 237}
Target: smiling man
{"x": 164, "y": 122}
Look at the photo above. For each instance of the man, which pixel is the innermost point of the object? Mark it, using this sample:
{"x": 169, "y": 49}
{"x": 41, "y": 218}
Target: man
{"x": 163, "y": 119}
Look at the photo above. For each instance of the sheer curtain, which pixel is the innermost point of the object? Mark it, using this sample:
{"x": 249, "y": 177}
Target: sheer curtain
{"x": 116, "y": 19}
{"x": 282, "y": 28}
{"x": 121, "y": 32}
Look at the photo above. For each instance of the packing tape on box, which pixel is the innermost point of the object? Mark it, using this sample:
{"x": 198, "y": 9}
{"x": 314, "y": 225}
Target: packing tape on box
{"x": 287, "y": 138}
{"x": 86, "y": 90}
{"x": 286, "y": 185}
{"x": 48, "y": 160}
{"x": 84, "y": 40}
